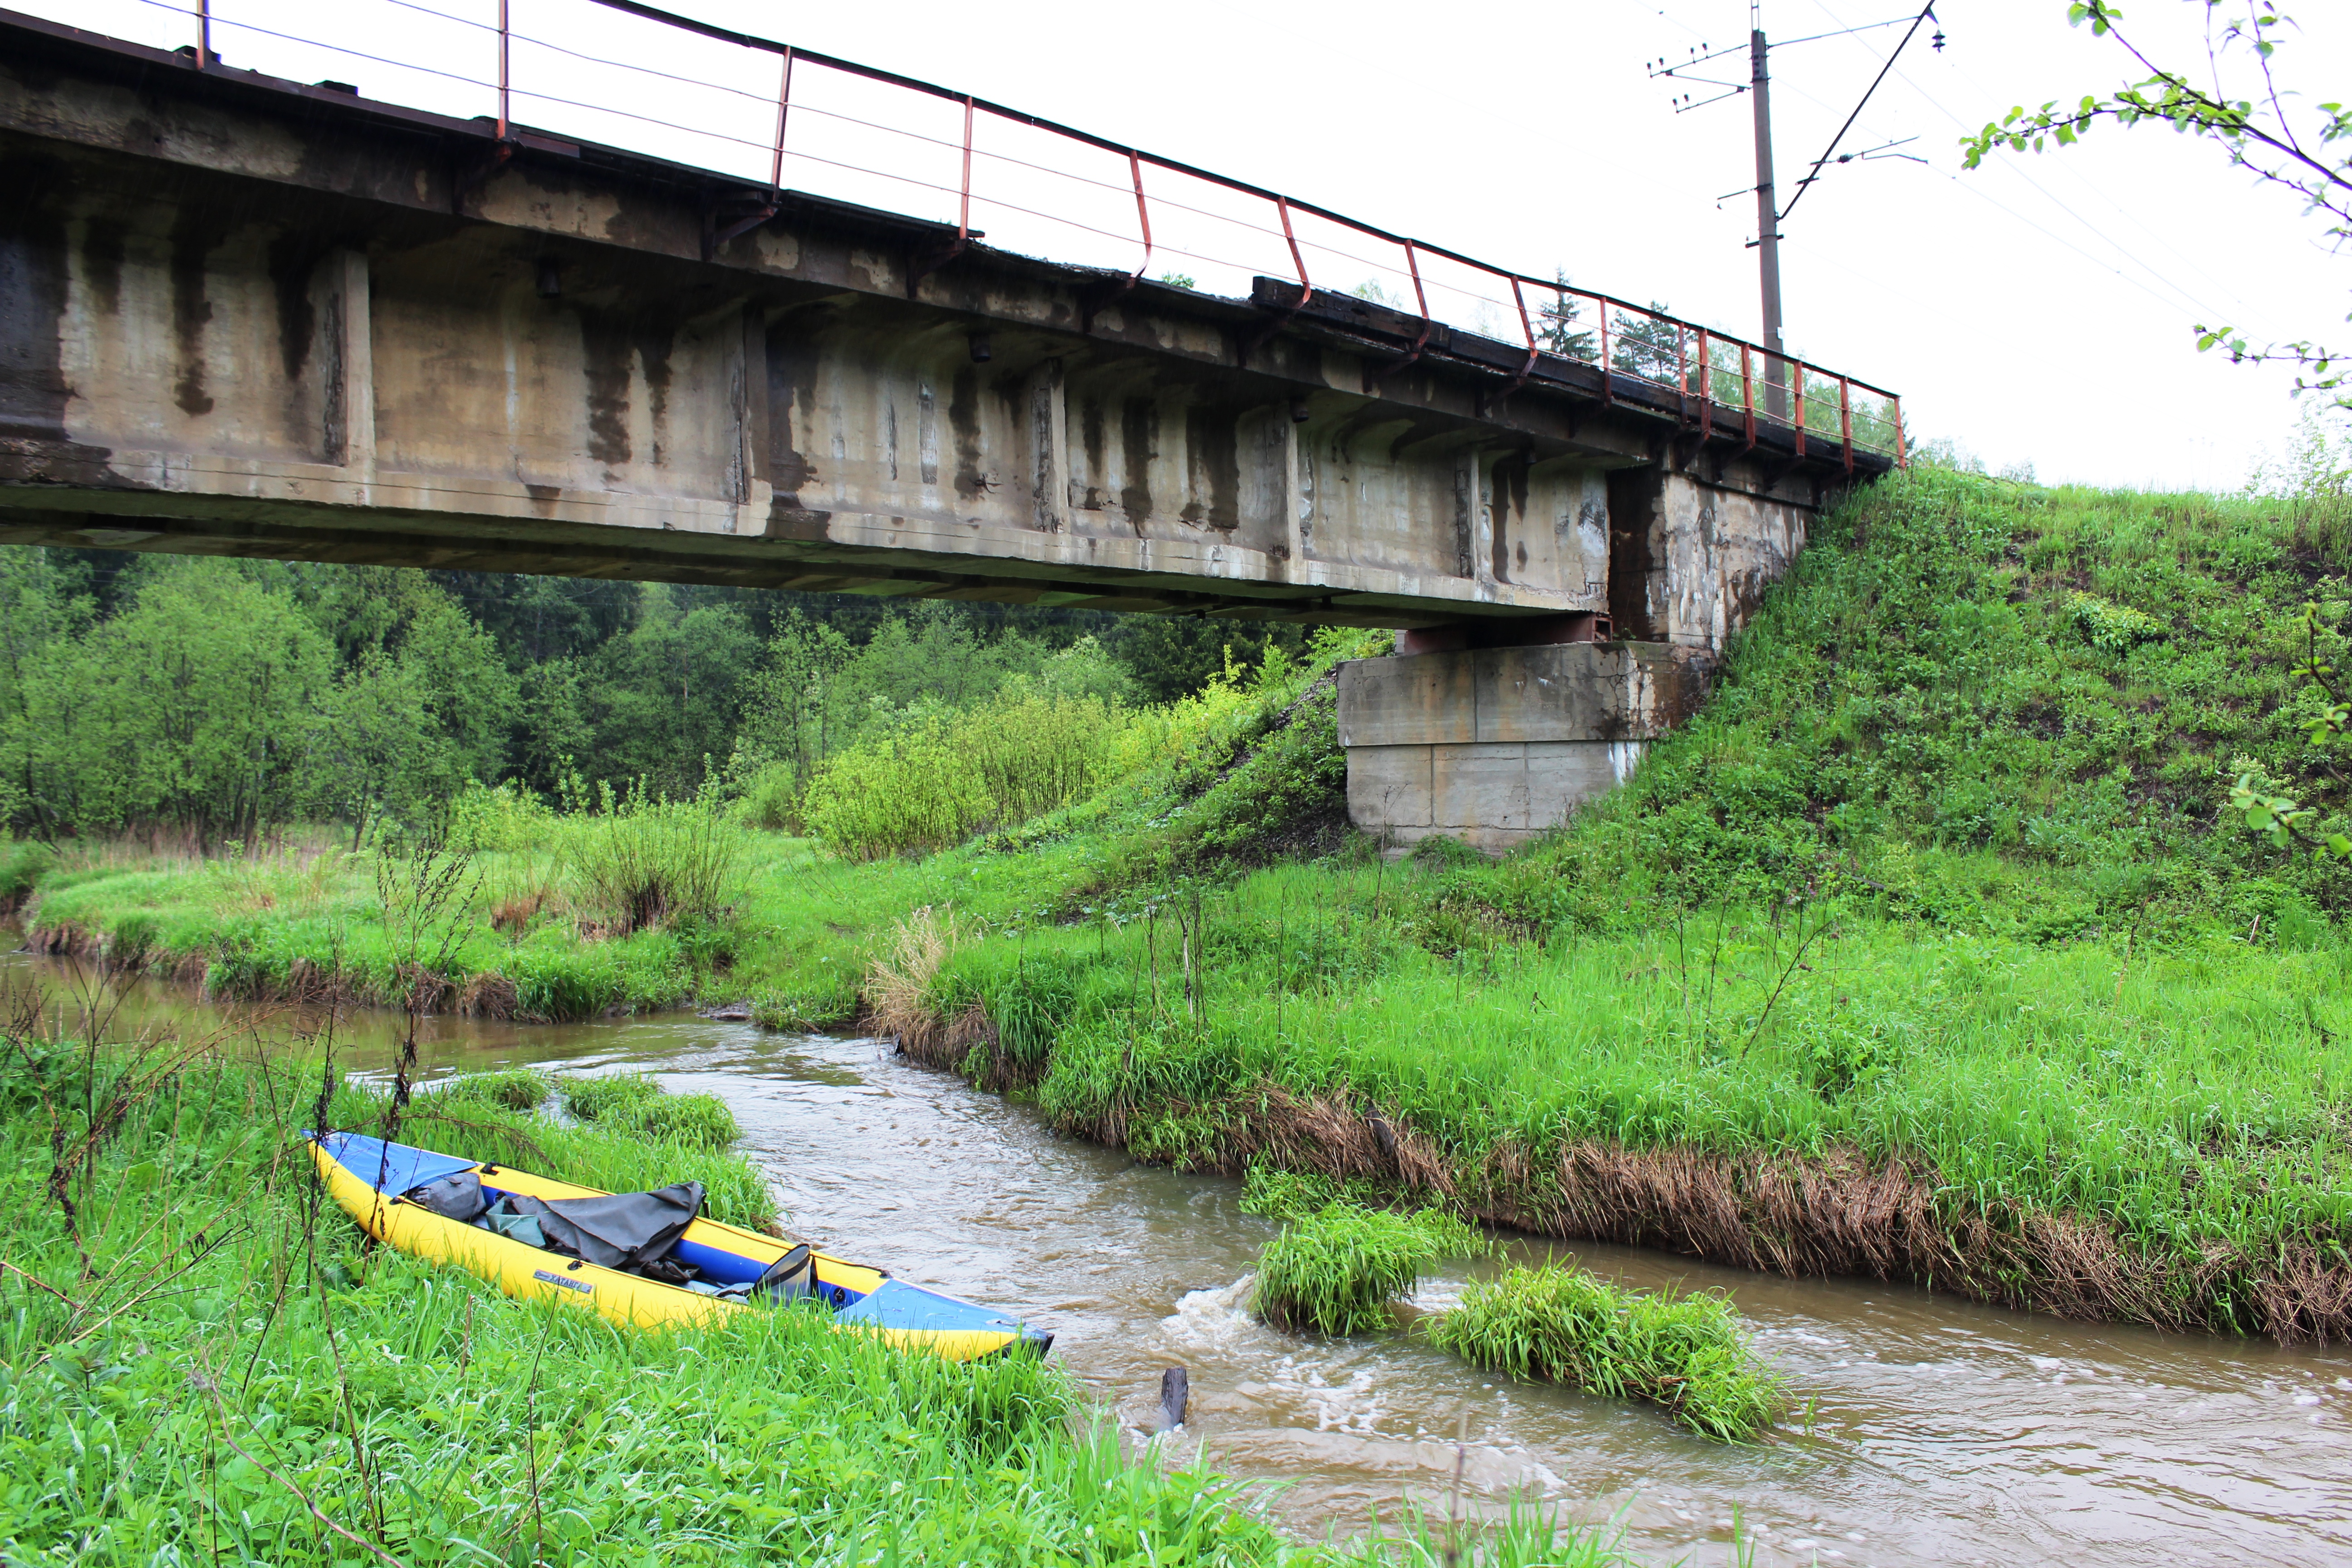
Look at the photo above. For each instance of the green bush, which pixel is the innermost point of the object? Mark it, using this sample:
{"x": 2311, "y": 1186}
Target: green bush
{"x": 23, "y": 863}
{"x": 944, "y": 779}
{"x": 1336, "y": 1270}
{"x": 1562, "y": 1325}
{"x": 505, "y": 820}
{"x": 2110, "y": 626}
{"x": 771, "y": 799}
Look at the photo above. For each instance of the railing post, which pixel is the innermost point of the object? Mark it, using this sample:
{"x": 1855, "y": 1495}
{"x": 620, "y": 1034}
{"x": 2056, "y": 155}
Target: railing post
{"x": 963, "y": 212}
{"x": 1845, "y": 419}
{"x": 1705, "y": 388}
{"x": 1608, "y": 393}
{"x": 1306, "y": 290}
{"x": 1902, "y": 452}
{"x": 204, "y": 34}
{"x": 1681, "y": 375}
{"x": 505, "y": 34}
{"x": 1748, "y": 393}
{"x": 1143, "y": 213}
{"x": 1796, "y": 370}
{"x": 783, "y": 107}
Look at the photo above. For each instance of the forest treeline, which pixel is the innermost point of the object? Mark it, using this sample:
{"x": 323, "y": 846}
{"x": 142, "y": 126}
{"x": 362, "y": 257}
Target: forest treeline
{"x": 214, "y": 701}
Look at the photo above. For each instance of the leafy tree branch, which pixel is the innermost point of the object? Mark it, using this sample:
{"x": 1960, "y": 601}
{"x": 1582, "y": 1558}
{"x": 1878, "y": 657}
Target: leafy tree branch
{"x": 2252, "y": 121}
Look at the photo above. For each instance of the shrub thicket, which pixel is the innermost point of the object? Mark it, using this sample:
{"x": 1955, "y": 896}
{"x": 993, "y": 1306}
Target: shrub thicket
{"x": 945, "y": 778}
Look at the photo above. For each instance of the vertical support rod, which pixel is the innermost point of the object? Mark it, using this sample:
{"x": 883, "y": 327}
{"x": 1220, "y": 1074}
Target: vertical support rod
{"x": 1901, "y": 455}
{"x": 783, "y": 107}
{"x": 1845, "y": 419}
{"x": 1706, "y": 389}
{"x": 1748, "y": 396}
{"x": 504, "y": 80}
{"x": 204, "y": 34}
{"x": 1682, "y": 374}
{"x": 1608, "y": 393}
{"x": 1767, "y": 227}
{"x": 1306, "y": 290}
{"x": 1413, "y": 265}
{"x": 1143, "y": 213}
{"x": 964, "y": 213}
{"x": 1797, "y": 370}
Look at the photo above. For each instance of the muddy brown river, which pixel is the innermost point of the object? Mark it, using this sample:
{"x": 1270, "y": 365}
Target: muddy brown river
{"x": 1941, "y": 1433}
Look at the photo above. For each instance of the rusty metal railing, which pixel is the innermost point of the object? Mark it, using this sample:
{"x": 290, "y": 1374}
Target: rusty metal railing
{"x": 1714, "y": 378}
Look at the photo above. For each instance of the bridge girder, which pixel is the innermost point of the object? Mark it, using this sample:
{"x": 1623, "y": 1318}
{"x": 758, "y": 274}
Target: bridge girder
{"x": 249, "y": 317}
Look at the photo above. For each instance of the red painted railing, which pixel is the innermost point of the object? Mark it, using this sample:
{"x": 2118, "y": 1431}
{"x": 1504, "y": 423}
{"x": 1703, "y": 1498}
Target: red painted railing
{"x": 702, "y": 120}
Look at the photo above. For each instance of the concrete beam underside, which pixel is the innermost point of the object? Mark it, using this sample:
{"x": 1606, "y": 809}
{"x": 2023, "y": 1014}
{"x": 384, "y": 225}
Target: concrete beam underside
{"x": 257, "y": 318}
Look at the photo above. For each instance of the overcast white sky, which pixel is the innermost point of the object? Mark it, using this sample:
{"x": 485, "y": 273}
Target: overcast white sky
{"x": 2038, "y": 312}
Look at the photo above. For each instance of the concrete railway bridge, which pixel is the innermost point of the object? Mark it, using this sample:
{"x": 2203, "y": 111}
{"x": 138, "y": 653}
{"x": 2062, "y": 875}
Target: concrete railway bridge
{"x": 247, "y": 315}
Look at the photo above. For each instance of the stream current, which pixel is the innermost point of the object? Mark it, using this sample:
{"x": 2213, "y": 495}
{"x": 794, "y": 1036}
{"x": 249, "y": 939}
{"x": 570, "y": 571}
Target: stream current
{"x": 1941, "y": 1432}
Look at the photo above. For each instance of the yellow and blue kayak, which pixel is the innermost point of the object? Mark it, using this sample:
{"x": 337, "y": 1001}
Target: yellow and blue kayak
{"x": 368, "y": 1177}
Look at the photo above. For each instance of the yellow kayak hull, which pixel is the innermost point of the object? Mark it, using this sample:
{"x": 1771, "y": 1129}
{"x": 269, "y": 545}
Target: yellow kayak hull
{"x": 866, "y": 1300}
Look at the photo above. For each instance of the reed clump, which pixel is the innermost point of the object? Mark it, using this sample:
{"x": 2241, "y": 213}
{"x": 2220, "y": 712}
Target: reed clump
{"x": 1287, "y": 1195}
{"x": 1336, "y": 1270}
{"x": 897, "y": 993}
{"x": 641, "y": 863}
{"x": 517, "y": 1088}
{"x": 630, "y": 1102}
{"x": 1685, "y": 1354}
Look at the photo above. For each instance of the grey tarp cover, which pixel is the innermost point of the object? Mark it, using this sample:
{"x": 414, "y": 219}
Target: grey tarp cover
{"x": 457, "y": 1196}
{"x": 622, "y": 1231}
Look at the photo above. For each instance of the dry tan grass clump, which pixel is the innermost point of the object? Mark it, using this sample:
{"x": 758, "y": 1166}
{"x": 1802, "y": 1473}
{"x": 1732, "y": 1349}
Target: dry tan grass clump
{"x": 897, "y": 993}
{"x": 488, "y": 996}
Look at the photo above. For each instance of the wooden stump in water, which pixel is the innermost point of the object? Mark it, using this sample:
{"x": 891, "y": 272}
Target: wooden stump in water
{"x": 1175, "y": 1397}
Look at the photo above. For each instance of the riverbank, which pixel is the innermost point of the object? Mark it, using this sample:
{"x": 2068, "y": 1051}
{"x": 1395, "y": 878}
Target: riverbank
{"x": 200, "y": 1359}
{"x": 1917, "y": 955}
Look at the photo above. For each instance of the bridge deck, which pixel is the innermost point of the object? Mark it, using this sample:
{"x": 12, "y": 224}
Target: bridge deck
{"x": 254, "y": 316}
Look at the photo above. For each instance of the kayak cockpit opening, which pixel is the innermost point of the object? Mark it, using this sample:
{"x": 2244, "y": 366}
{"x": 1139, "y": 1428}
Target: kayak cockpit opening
{"x": 642, "y": 1234}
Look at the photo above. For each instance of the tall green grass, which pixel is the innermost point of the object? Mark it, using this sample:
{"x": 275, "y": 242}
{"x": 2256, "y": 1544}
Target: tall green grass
{"x": 626, "y": 1102}
{"x": 203, "y": 1362}
{"x": 1684, "y": 1353}
{"x": 642, "y": 862}
{"x": 1338, "y": 1269}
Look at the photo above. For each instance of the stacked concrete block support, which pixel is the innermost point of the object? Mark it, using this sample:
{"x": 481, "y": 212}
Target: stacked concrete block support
{"x": 1492, "y": 746}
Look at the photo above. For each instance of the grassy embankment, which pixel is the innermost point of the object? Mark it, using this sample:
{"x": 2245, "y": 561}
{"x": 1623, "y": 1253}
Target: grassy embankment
{"x": 1920, "y": 953}
{"x": 198, "y": 1362}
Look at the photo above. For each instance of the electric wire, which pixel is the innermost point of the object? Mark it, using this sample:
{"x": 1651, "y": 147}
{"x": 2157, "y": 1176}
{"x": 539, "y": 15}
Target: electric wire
{"x": 2186, "y": 296}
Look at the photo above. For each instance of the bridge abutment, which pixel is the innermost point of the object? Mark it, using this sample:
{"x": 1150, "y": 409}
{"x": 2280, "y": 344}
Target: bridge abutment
{"x": 1495, "y": 745}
